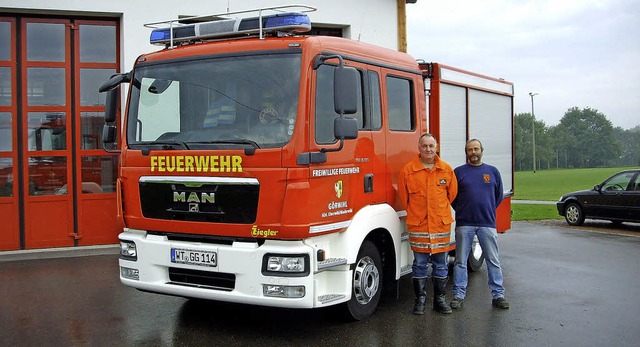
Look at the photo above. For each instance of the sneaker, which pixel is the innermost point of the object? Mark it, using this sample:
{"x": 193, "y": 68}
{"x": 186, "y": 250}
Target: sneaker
{"x": 500, "y": 303}
{"x": 456, "y": 303}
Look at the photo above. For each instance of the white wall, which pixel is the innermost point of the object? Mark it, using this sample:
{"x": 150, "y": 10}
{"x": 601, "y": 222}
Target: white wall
{"x": 371, "y": 21}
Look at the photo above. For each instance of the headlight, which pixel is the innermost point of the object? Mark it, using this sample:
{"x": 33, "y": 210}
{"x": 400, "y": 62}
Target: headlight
{"x": 285, "y": 265}
{"x": 128, "y": 250}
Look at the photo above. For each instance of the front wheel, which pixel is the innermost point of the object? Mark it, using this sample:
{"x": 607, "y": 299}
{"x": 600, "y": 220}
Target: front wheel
{"x": 366, "y": 284}
{"x": 573, "y": 214}
{"x": 476, "y": 257}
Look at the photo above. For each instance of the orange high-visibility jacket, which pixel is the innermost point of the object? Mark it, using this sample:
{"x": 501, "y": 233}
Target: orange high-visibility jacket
{"x": 427, "y": 195}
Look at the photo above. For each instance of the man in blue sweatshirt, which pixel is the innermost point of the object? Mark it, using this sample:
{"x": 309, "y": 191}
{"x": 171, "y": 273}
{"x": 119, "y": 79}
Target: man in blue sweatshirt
{"x": 479, "y": 194}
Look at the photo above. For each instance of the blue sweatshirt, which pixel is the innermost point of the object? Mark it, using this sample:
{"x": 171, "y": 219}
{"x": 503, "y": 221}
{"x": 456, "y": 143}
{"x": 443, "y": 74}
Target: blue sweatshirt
{"x": 479, "y": 194}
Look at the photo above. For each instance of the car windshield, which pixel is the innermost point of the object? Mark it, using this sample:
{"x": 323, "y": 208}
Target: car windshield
{"x": 215, "y": 102}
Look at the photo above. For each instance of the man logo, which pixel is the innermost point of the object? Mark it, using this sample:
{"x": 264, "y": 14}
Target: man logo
{"x": 338, "y": 187}
{"x": 194, "y": 207}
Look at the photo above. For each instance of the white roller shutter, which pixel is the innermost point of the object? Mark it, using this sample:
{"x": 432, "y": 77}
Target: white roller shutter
{"x": 490, "y": 122}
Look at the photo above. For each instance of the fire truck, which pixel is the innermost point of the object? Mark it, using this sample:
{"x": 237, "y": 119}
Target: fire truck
{"x": 259, "y": 165}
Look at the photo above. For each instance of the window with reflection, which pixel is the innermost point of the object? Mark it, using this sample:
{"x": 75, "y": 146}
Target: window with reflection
{"x": 325, "y": 111}
{"x": 46, "y": 42}
{"x": 47, "y": 131}
{"x": 90, "y": 82}
{"x": 6, "y": 135}
{"x": 46, "y": 86}
{"x": 48, "y": 175}
{"x": 5, "y": 41}
{"x": 399, "y": 104}
{"x": 618, "y": 182}
{"x": 97, "y": 43}
{"x": 376, "y": 108}
{"x": 6, "y": 177}
{"x": 5, "y": 86}
{"x": 91, "y": 129}
{"x": 99, "y": 174}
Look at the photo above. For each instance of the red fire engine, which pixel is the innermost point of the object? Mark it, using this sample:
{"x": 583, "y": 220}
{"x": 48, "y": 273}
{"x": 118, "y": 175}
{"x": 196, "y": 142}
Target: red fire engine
{"x": 259, "y": 165}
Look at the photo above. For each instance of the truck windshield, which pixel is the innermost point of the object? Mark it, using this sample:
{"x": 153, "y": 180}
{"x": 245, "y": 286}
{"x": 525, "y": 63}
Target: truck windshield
{"x": 215, "y": 102}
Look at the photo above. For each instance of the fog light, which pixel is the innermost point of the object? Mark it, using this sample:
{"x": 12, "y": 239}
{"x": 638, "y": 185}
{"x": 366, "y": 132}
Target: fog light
{"x": 129, "y": 273}
{"x": 128, "y": 250}
{"x": 283, "y": 291}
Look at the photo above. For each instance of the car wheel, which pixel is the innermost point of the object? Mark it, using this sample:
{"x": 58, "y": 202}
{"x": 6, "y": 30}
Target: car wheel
{"x": 573, "y": 214}
{"x": 476, "y": 257}
{"x": 366, "y": 286}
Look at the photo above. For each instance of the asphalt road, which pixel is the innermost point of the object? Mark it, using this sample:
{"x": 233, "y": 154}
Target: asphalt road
{"x": 567, "y": 287}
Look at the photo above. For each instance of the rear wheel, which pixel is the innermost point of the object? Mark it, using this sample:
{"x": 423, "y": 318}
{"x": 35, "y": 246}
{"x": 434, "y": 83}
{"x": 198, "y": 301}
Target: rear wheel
{"x": 573, "y": 214}
{"x": 476, "y": 257}
{"x": 366, "y": 284}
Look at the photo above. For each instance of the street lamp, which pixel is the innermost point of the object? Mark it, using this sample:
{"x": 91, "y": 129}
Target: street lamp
{"x": 533, "y": 131}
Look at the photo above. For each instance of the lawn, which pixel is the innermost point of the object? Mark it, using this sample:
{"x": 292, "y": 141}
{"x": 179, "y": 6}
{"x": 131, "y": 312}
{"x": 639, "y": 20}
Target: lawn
{"x": 549, "y": 185}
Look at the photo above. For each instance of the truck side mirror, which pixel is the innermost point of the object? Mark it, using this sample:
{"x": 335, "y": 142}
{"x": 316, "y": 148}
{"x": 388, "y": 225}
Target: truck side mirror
{"x": 111, "y": 105}
{"x": 108, "y": 134}
{"x": 345, "y": 90}
{"x": 345, "y": 128}
{"x": 109, "y": 130}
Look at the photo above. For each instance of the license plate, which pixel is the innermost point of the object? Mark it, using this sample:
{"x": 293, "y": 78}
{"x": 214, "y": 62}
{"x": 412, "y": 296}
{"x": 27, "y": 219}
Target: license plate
{"x": 191, "y": 257}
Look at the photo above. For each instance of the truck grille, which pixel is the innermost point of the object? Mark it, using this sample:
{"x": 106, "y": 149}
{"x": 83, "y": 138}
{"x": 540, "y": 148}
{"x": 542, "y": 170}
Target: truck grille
{"x": 201, "y": 200}
{"x": 206, "y": 279}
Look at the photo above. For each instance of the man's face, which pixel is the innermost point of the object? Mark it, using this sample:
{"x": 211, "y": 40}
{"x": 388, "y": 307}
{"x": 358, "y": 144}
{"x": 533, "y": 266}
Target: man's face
{"x": 427, "y": 148}
{"x": 474, "y": 153}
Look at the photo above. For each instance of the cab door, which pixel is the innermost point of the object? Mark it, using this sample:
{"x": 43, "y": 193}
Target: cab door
{"x": 344, "y": 183}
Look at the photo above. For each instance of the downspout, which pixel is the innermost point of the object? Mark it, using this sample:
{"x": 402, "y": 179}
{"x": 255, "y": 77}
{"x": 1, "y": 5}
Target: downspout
{"x": 402, "y": 25}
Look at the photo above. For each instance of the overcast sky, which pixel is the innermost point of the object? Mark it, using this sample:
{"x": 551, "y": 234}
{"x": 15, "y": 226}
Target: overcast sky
{"x": 583, "y": 53}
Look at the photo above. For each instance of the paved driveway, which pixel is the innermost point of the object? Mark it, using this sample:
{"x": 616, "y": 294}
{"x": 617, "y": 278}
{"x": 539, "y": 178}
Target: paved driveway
{"x": 567, "y": 286}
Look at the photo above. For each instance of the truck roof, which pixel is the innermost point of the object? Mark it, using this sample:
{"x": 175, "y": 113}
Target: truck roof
{"x": 310, "y": 44}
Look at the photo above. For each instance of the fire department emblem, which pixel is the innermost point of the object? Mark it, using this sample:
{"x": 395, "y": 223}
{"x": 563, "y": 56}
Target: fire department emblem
{"x": 487, "y": 178}
{"x": 338, "y": 188}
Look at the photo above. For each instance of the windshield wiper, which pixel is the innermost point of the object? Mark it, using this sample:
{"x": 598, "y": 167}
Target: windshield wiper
{"x": 168, "y": 144}
{"x": 236, "y": 142}
{"x": 247, "y": 151}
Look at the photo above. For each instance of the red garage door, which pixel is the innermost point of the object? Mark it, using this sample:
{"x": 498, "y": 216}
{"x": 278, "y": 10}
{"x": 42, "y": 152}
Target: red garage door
{"x": 58, "y": 184}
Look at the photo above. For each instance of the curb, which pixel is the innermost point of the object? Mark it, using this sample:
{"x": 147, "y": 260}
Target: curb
{"x": 63, "y": 252}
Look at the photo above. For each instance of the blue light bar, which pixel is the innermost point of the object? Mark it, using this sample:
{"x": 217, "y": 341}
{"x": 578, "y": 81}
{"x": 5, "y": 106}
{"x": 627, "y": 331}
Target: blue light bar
{"x": 292, "y": 22}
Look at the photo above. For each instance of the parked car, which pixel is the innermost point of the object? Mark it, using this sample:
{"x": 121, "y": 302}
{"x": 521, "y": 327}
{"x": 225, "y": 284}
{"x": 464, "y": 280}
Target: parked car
{"x": 616, "y": 199}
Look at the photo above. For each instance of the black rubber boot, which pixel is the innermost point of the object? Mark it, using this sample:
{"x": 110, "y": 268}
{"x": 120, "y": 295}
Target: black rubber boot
{"x": 439, "y": 300}
{"x": 420, "y": 288}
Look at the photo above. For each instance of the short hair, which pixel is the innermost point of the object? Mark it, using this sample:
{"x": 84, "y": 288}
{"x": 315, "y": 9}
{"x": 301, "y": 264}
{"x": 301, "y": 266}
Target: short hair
{"x": 427, "y": 135}
{"x": 473, "y": 140}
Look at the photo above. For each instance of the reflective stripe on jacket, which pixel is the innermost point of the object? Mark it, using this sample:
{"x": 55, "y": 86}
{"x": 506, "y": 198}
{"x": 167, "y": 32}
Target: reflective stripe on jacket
{"x": 427, "y": 195}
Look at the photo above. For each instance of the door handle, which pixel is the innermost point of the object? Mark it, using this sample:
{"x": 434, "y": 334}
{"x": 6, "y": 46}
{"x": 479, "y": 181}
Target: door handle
{"x": 368, "y": 183}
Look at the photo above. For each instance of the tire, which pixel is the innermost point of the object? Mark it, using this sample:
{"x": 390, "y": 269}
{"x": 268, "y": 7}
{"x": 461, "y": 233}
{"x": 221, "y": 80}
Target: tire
{"x": 476, "y": 256}
{"x": 574, "y": 214}
{"x": 366, "y": 286}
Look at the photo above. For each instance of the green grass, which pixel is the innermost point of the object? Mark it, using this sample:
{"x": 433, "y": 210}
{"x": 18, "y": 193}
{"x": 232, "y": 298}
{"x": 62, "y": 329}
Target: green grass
{"x": 534, "y": 212}
{"x": 549, "y": 185}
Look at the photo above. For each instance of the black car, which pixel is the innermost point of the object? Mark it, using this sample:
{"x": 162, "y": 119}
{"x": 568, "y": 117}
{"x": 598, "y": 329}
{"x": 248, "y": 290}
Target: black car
{"x": 616, "y": 199}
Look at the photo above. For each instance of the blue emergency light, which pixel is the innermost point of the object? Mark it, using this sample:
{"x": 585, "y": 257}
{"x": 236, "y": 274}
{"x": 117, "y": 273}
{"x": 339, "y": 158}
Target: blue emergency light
{"x": 292, "y": 22}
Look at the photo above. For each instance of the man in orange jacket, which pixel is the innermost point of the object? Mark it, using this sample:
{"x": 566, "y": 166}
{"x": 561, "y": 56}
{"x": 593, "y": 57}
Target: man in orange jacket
{"x": 426, "y": 188}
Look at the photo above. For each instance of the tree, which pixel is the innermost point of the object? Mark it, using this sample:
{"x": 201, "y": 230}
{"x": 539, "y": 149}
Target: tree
{"x": 629, "y": 146}
{"x": 588, "y": 138}
{"x": 523, "y": 129}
